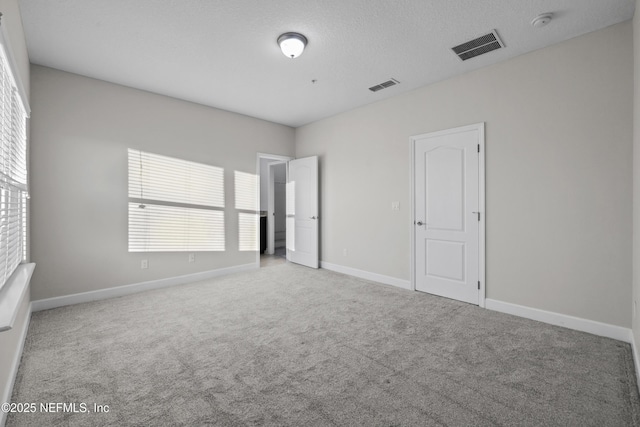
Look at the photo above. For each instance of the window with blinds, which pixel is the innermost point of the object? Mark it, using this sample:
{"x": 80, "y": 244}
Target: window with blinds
{"x": 174, "y": 205}
{"x": 13, "y": 172}
{"x": 247, "y": 187}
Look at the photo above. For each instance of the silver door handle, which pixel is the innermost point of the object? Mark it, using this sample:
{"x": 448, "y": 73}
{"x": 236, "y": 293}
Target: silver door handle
{"x": 420, "y": 223}
{"x": 313, "y": 217}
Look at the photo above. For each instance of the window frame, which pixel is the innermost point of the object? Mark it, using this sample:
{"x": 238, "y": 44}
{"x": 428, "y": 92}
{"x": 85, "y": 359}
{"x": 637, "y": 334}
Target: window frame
{"x": 14, "y": 172}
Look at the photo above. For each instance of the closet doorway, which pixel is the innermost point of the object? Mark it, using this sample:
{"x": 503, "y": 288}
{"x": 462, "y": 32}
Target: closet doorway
{"x": 276, "y": 209}
{"x": 273, "y": 172}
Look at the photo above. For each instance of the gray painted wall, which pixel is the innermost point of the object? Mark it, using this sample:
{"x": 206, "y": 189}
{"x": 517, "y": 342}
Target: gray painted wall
{"x": 80, "y": 131}
{"x": 264, "y": 168}
{"x": 558, "y": 175}
{"x": 10, "y": 341}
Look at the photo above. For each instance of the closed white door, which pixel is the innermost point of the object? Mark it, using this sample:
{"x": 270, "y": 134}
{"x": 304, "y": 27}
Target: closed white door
{"x": 448, "y": 213}
{"x": 302, "y": 212}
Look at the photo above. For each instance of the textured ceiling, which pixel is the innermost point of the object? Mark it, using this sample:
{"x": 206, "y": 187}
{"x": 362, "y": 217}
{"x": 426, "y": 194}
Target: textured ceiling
{"x": 223, "y": 53}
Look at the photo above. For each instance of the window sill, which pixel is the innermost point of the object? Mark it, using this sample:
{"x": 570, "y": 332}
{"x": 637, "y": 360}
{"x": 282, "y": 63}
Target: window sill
{"x": 12, "y": 293}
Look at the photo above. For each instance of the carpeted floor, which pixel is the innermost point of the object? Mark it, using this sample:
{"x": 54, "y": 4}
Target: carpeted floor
{"x": 290, "y": 346}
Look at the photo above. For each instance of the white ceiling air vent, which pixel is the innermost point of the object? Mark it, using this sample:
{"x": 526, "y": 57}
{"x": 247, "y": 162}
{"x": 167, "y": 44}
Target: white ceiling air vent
{"x": 384, "y": 85}
{"x": 479, "y": 46}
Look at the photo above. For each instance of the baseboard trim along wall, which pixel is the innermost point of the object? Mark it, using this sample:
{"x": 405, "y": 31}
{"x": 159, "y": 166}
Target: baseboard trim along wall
{"x": 13, "y": 373}
{"x": 636, "y": 359}
{"x": 380, "y": 278}
{"x": 49, "y": 303}
{"x": 576, "y": 323}
{"x": 584, "y": 325}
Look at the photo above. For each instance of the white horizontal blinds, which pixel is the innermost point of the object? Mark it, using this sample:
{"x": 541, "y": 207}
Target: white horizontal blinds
{"x": 13, "y": 173}
{"x": 12, "y": 251}
{"x": 23, "y": 219}
{"x": 174, "y": 205}
{"x": 247, "y": 186}
{"x": 247, "y": 231}
{"x": 160, "y": 228}
{"x": 13, "y": 168}
{"x": 162, "y": 178}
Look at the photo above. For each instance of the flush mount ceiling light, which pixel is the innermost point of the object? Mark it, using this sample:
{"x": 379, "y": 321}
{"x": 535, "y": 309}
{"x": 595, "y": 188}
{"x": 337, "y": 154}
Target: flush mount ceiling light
{"x": 292, "y": 44}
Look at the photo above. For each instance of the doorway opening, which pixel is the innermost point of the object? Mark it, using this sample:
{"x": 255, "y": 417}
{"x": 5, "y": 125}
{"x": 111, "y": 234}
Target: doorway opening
{"x": 276, "y": 208}
{"x": 272, "y": 170}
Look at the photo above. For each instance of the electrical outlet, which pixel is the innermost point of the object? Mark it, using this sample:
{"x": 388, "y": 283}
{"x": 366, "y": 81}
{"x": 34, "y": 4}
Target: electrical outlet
{"x": 192, "y": 257}
{"x": 144, "y": 263}
{"x": 395, "y": 206}
{"x": 345, "y": 252}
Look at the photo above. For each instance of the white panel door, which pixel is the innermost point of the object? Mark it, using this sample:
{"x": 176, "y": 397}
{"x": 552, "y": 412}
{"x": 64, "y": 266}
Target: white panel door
{"x": 447, "y": 213}
{"x": 302, "y": 212}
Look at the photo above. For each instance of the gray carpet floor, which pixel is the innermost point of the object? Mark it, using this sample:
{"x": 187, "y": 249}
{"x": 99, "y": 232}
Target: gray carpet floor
{"x": 290, "y": 346}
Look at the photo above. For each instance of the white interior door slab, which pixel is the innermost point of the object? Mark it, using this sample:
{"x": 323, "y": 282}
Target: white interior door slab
{"x": 302, "y": 212}
{"x": 447, "y": 214}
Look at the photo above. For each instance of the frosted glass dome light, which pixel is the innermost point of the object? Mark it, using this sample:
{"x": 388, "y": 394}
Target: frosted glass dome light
{"x": 292, "y": 44}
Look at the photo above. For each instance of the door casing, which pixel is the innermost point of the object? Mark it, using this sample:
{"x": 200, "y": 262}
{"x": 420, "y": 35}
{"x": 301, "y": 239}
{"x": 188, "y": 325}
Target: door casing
{"x": 481, "y": 183}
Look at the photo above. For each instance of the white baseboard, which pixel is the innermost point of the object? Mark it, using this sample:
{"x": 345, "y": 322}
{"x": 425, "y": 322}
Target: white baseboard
{"x": 380, "y": 278}
{"x": 15, "y": 364}
{"x": 49, "y": 303}
{"x": 576, "y": 323}
{"x": 636, "y": 359}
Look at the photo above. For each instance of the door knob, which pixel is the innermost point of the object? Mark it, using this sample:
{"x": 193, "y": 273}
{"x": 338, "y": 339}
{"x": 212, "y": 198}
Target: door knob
{"x": 313, "y": 217}
{"x": 420, "y": 223}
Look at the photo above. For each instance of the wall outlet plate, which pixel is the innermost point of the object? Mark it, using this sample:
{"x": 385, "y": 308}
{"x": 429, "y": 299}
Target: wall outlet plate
{"x": 192, "y": 257}
{"x": 144, "y": 263}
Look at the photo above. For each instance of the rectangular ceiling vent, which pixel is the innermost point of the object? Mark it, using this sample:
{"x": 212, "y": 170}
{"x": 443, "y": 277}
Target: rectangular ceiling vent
{"x": 384, "y": 85}
{"x": 479, "y": 46}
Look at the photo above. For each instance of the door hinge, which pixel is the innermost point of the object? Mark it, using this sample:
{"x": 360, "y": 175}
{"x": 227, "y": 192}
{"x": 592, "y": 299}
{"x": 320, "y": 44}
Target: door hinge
{"x": 478, "y": 148}
{"x": 478, "y": 284}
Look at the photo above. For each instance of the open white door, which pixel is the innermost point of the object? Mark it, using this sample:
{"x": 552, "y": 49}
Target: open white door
{"x": 302, "y": 212}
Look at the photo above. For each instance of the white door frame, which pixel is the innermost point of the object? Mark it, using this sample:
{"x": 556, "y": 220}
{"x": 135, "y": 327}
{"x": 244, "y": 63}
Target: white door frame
{"x": 276, "y": 157}
{"x": 481, "y": 184}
